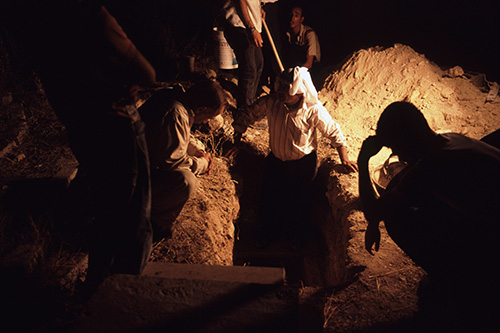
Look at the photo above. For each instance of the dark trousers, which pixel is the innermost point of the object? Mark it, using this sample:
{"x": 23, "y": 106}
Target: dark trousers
{"x": 286, "y": 194}
{"x": 112, "y": 153}
{"x": 250, "y": 64}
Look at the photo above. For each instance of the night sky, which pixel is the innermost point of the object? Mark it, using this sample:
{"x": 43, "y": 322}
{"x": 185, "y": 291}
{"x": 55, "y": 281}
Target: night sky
{"x": 464, "y": 33}
{"x": 450, "y": 33}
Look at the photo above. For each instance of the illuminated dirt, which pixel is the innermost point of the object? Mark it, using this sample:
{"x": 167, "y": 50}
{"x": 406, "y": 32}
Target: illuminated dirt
{"x": 348, "y": 288}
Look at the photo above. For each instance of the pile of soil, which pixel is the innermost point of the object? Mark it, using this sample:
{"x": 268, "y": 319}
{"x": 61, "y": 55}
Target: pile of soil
{"x": 452, "y": 100}
{"x": 378, "y": 290}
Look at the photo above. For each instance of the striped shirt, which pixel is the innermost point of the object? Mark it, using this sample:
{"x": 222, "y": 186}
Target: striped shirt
{"x": 292, "y": 132}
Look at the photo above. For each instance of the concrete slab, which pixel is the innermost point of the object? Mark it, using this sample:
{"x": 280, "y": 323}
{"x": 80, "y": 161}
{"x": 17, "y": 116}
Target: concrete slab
{"x": 126, "y": 303}
{"x": 243, "y": 274}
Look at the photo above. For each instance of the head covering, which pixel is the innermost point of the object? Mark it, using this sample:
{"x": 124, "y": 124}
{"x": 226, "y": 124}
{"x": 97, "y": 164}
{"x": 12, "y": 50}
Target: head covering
{"x": 302, "y": 84}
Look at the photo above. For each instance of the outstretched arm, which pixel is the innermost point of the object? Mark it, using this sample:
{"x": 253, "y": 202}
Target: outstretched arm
{"x": 371, "y": 208}
{"x": 344, "y": 158}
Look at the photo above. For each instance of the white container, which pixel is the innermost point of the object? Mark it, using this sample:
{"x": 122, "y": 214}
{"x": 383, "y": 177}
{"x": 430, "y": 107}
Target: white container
{"x": 224, "y": 54}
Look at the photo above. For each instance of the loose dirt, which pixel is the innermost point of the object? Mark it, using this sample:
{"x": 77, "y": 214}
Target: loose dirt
{"x": 379, "y": 291}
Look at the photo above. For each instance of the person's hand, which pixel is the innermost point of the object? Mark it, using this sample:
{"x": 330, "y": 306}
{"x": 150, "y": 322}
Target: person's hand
{"x": 372, "y": 238}
{"x": 235, "y": 147}
{"x": 350, "y": 166}
{"x": 208, "y": 156}
{"x": 200, "y": 153}
{"x": 257, "y": 38}
{"x": 371, "y": 146}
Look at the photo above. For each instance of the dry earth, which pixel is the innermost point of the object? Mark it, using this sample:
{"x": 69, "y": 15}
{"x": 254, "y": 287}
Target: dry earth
{"x": 351, "y": 290}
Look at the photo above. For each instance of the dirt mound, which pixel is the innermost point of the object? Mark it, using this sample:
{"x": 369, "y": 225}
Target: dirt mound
{"x": 371, "y": 79}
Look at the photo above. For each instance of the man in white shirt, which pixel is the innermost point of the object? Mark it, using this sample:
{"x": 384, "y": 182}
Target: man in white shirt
{"x": 294, "y": 116}
{"x": 176, "y": 160}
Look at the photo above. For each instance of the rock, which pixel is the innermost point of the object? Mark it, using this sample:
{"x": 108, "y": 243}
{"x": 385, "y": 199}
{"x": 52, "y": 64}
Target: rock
{"x": 456, "y": 71}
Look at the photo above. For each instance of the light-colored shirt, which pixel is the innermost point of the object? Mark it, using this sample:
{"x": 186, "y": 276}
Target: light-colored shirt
{"x": 168, "y": 134}
{"x": 306, "y": 37}
{"x": 292, "y": 133}
{"x": 233, "y": 14}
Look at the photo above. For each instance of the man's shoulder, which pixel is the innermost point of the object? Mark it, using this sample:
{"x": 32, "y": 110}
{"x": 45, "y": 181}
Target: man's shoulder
{"x": 308, "y": 30}
{"x": 177, "y": 111}
{"x": 463, "y": 145}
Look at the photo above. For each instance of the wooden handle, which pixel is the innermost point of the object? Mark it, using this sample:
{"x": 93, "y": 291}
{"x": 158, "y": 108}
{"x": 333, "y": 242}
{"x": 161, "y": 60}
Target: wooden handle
{"x": 272, "y": 45}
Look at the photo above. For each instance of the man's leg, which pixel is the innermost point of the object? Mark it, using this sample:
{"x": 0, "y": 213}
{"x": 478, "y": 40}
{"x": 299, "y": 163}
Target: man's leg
{"x": 271, "y": 201}
{"x": 132, "y": 255}
{"x": 259, "y": 66}
{"x": 116, "y": 161}
{"x": 249, "y": 68}
{"x": 170, "y": 191}
{"x": 299, "y": 177}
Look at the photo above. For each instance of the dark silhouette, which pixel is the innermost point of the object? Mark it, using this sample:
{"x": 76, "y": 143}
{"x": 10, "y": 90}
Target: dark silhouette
{"x": 90, "y": 71}
{"x": 443, "y": 208}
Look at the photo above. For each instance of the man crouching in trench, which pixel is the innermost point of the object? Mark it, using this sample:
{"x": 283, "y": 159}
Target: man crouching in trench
{"x": 176, "y": 158}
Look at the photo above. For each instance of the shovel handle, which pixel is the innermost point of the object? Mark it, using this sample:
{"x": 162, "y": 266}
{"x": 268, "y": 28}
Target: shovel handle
{"x": 275, "y": 51}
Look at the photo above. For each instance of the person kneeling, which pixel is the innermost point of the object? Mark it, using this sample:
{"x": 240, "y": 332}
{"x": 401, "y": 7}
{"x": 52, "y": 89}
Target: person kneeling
{"x": 176, "y": 159}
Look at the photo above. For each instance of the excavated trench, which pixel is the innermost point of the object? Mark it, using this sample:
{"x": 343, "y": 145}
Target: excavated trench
{"x": 322, "y": 260}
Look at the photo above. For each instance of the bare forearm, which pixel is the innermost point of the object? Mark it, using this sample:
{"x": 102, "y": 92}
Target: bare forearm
{"x": 309, "y": 62}
{"x": 367, "y": 194}
{"x": 247, "y": 21}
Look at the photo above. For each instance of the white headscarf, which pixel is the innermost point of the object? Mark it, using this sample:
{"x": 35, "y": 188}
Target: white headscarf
{"x": 302, "y": 84}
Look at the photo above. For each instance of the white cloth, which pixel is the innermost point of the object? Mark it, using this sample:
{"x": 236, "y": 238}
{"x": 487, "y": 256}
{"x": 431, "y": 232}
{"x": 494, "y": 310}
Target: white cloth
{"x": 302, "y": 84}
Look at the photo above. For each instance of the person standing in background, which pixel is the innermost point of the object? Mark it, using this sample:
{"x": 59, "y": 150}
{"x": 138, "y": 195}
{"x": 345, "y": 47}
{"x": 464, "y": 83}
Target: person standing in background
{"x": 243, "y": 30}
{"x": 271, "y": 69}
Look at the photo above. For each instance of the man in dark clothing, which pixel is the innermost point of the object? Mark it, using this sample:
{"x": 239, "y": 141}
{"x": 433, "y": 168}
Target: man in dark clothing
{"x": 90, "y": 72}
{"x": 442, "y": 209}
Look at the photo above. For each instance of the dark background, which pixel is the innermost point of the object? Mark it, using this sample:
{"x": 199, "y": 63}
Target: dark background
{"x": 450, "y": 33}
{"x": 463, "y": 33}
